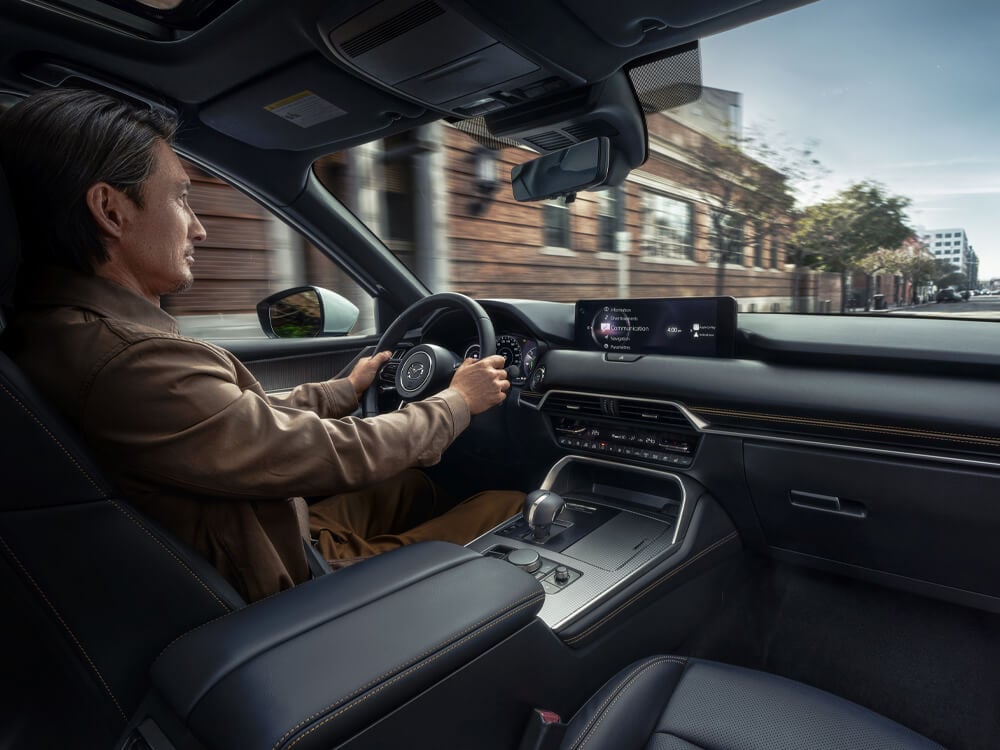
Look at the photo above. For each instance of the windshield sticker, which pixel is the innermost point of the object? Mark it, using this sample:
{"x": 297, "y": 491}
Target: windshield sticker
{"x": 305, "y": 109}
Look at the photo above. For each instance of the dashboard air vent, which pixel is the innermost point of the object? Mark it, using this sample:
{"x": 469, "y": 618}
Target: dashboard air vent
{"x": 652, "y": 412}
{"x": 391, "y": 28}
{"x": 575, "y": 404}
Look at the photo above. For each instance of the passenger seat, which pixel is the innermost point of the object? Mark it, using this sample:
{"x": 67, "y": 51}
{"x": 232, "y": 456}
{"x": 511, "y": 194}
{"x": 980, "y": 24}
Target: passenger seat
{"x": 675, "y": 703}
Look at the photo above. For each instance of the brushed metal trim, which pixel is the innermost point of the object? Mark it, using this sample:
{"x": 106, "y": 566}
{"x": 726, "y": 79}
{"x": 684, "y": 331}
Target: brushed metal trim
{"x": 682, "y": 519}
{"x": 565, "y": 461}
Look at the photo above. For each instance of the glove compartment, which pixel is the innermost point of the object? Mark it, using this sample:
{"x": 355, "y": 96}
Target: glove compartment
{"x": 906, "y": 522}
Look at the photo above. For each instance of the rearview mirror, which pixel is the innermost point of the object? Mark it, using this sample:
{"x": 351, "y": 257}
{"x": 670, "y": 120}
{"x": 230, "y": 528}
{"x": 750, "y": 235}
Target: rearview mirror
{"x": 306, "y": 311}
{"x": 569, "y": 170}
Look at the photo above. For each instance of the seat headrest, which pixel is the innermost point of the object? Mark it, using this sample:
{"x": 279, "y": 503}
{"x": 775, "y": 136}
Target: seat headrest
{"x": 10, "y": 248}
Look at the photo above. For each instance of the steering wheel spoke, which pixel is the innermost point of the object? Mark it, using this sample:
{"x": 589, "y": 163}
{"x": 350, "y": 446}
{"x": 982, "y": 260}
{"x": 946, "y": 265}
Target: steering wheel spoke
{"x": 424, "y": 369}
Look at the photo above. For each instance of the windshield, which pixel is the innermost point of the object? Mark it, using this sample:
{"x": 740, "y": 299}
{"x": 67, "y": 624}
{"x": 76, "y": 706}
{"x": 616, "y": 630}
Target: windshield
{"x": 841, "y": 159}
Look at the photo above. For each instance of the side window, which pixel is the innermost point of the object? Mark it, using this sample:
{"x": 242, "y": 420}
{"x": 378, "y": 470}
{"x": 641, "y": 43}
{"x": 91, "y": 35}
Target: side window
{"x": 249, "y": 254}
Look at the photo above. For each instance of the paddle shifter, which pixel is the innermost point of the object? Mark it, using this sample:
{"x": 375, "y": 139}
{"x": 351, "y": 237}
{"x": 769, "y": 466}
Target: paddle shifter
{"x": 541, "y": 508}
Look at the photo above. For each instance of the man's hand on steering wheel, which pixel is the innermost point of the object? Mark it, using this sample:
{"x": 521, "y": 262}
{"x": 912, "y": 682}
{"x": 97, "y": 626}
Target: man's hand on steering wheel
{"x": 364, "y": 372}
{"x": 483, "y": 382}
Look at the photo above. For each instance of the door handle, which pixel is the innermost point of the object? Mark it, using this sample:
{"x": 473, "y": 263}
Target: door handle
{"x": 827, "y": 504}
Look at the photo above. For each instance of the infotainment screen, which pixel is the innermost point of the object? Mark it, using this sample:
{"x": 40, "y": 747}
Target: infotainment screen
{"x": 692, "y": 326}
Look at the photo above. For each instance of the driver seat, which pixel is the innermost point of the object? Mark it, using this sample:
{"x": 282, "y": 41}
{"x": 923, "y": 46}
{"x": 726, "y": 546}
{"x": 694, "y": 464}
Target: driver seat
{"x": 93, "y": 591}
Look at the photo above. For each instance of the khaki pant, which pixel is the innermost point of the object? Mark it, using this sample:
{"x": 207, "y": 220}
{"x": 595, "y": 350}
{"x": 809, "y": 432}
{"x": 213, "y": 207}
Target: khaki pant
{"x": 399, "y": 511}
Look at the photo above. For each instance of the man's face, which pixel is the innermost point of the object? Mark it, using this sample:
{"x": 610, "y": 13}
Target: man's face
{"x": 157, "y": 242}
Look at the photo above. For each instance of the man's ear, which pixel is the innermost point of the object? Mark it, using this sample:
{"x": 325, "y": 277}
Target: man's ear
{"x": 107, "y": 205}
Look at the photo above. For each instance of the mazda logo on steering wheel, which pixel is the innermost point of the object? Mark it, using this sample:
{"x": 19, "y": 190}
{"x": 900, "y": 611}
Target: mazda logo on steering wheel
{"x": 415, "y": 371}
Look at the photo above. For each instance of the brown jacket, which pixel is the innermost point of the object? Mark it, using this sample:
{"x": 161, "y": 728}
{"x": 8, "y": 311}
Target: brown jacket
{"x": 190, "y": 437}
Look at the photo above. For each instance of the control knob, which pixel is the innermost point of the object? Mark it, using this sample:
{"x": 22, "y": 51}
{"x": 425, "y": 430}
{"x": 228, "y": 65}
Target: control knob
{"x": 526, "y": 559}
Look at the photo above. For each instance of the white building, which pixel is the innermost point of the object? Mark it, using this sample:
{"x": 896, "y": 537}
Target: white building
{"x": 949, "y": 245}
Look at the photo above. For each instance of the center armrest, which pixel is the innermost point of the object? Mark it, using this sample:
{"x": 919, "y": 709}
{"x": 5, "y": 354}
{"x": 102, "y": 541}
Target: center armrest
{"x": 311, "y": 666}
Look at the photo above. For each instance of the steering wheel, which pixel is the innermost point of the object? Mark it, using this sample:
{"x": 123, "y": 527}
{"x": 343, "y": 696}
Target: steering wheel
{"x": 427, "y": 368}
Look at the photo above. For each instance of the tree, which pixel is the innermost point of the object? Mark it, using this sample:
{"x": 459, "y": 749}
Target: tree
{"x": 837, "y": 233}
{"x": 747, "y": 182}
{"x": 801, "y": 174}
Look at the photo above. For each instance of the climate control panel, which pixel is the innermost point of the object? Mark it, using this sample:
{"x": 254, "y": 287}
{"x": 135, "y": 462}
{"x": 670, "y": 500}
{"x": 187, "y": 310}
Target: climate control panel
{"x": 648, "y": 446}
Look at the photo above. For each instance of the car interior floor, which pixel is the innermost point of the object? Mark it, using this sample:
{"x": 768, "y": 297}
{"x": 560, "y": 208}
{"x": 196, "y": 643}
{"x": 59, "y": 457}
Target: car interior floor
{"x": 930, "y": 665}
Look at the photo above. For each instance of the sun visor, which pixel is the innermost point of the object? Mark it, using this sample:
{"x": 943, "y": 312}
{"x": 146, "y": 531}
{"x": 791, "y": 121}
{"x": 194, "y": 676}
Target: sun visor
{"x": 308, "y": 104}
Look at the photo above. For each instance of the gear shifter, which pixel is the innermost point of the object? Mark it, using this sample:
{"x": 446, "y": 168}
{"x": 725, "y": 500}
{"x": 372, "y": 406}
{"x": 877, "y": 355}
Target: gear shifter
{"x": 541, "y": 508}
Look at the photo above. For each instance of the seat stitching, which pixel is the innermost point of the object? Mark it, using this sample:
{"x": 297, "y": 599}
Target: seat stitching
{"x": 63, "y": 622}
{"x": 54, "y": 439}
{"x": 640, "y": 594}
{"x": 591, "y": 727}
{"x": 398, "y": 677}
{"x": 172, "y": 554}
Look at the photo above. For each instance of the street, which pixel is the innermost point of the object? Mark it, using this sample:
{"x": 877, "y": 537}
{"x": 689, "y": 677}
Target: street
{"x": 975, "y": 307}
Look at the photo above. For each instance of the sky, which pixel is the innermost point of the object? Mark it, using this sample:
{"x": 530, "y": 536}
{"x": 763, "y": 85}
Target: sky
{"x": 905, "y": 92}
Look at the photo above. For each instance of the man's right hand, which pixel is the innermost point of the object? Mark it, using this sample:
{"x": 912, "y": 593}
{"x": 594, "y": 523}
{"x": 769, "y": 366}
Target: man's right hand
{"x": 483, "y": 383}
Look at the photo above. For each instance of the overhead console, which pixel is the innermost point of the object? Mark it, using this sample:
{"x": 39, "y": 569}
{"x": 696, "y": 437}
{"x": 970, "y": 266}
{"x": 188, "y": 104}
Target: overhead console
{"x": 429, "y": 52}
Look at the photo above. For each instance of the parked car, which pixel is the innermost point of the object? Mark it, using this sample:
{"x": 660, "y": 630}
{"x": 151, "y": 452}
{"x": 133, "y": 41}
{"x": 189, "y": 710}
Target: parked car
{"x": 947, "y": 294}
{"x": 749, "y": 496}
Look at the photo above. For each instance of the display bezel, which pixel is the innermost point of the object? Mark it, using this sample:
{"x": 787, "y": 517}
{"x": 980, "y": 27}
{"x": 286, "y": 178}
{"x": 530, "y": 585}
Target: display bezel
{"x": 725, "y": 324}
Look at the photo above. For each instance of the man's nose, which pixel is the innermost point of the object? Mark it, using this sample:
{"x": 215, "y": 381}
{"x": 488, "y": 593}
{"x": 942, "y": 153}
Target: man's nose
{"x": 197, "y": 231}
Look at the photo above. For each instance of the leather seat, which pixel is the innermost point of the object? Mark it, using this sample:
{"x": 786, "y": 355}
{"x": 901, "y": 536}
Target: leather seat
{"x": 674, "y": 703}
{"x": 93, "y": 591}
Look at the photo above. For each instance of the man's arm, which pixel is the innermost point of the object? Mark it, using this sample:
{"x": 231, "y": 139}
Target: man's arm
{"x": 172, "y": 411}
{"x": 337, "y": 397}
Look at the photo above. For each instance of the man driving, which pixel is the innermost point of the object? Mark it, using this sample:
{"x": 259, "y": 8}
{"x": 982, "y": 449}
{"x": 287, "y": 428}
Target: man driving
{"x": 181, "y": 426}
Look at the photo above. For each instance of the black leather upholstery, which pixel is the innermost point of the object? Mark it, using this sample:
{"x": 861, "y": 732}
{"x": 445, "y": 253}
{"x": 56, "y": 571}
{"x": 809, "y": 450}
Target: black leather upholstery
{"x": 673, "y": 703}
{"x": 88, "y": 582}
{"x": 10, "y": 249}
{"x": 311, "y": 667}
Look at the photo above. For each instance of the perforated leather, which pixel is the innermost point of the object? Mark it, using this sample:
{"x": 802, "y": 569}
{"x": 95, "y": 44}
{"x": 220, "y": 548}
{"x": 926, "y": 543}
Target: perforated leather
{"x": 670, "y": 703}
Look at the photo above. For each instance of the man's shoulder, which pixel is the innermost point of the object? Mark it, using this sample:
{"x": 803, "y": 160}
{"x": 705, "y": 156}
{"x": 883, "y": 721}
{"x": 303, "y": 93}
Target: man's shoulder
{"x": 142, "y": 340}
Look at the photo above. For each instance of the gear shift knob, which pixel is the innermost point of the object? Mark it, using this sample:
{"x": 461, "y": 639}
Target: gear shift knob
{"x": 541, "y": 508}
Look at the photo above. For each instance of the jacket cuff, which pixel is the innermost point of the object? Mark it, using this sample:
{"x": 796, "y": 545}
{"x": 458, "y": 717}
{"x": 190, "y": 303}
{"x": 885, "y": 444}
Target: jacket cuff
{"x": 457, "y": 406}
{"x": 340, "y": 397}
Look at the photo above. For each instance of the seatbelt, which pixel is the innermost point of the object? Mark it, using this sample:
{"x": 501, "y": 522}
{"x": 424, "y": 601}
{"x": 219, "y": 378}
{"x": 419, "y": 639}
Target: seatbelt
{"x": 317, "y": 565}
{"x": 545, "y": 731}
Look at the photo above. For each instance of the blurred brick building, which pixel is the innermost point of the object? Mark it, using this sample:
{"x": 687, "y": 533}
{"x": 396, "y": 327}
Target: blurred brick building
{"x": 424, "y": 194}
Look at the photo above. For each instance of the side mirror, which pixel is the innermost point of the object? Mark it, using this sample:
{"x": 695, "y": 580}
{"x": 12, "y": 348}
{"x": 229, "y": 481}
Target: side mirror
{"x": 570, "y": 170}
{"x": 306, "y": 311}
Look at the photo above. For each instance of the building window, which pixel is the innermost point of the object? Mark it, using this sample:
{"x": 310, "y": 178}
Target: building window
{"x": 556, "y": 223}
{"x": 758, "y": 247}
{"x": 776, "y": 254}
{"x": 727, "y": 235}
{"x": 610, "y": 218}
{"x": 667, "y": 225}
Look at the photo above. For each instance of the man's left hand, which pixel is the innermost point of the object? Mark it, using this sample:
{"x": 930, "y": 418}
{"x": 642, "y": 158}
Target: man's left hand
{"x": 364, "y": 372}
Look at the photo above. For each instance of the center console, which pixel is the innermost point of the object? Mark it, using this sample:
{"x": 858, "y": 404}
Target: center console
{"x": 617, "y": 529}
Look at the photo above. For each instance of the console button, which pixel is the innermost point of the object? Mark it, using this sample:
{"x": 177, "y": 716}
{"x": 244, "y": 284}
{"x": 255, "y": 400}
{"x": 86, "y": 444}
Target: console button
{"x": 562, "y": 574}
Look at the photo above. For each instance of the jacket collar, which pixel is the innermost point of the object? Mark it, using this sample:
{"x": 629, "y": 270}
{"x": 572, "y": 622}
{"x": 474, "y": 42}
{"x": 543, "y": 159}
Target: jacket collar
{"x": 55, "y": 286}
